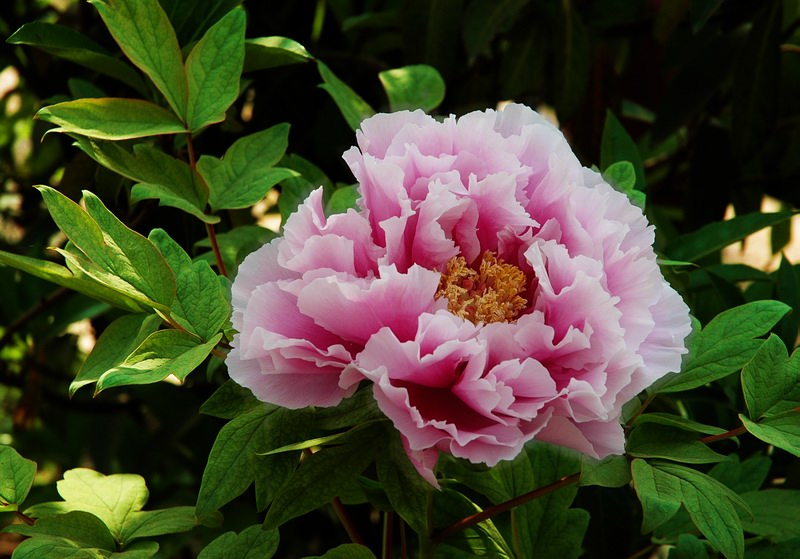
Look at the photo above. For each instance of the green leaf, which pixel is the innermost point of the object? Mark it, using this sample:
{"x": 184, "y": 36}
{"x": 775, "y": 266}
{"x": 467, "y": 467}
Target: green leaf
{"x": 167, "y": 197}
{"x": 359, "y": 408}
{"x": 229, "y": 401}
{"x": 158, "y": 175}
{"x": 233, "y": 463}
{"x": 80, "y": 527}
{"x": 651, "y": 440}
{"x": 611, "y": 471}
{"x": 481, "y": 540}
{"x": 769, "y": 376}
{"x": 715, "y": 236}
{"x": 660, "y": 495}
{"x": 787, "y": 282}
{"x": 616, "y": 146}
{"x": 144, "y": 33}
{"x": 408, "y": 492}
{"x": 485, "y": 19}
{"x": 756, "y": 83}
{"x": 572, "y": 63}
{"x": 342, "y": 199}
{"x": 250, "y": 543}
{"x": 742, "y": 477}
{"x": 113, "y": 346}
{"x": 413, "y": 87}
{"x": 689, "y": 547}
{"x": 781, "y": 430}
{"x": 114, "y": 249}
{"x": 662, "y": 487}
{"x": 770, "y": 550}
{"x": 295, "y": 190}
{"x": 679, "y": 422}
{"x": 236, "y": 244}
{"x": 148, "y": 524}
{"x": 110, "y": 118}
{"x": 269, "y": 52}
{"x": 51, "y": 547}
{"x": 347, "y": 551}
{"x": 200, "y": 305}
{"x": 774, "y": 513}
{"x": 112, "y": 498}
{"x": 191, "y": 18}
{"x": 213, "y": 69}
{"x": 163, "y": 353}
{"x": 548, "y": 525}
{"x": 64, "y": 42}
{"x": 321, "y": 476}
{"x": 726, "y": 344}
{"x": 701, "y": 12}
{"x": 62, "y": 276}
{"x": 137, "y": 550}
{"x": 246, "y": 173}
{"x": 621, "y": 175}
{"x": 354, "y": 109}
{"x": 16, "y": 477}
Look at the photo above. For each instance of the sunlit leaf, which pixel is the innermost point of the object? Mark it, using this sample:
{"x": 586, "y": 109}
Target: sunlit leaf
{"x": 413, "y": 87}
{"x": 80, "y": 527}
{"x": 716, "y": 236}
{"x": 67, "y": 43}
{"x": 250, "y": 543}
{"x": 725, "y": 345}
{"x": 114, "y": 250}
{"x": 144, "y": 33}
{"x": 781, "y": 430}
{"x": 117, "y": 341}
{"x": 111, "y": 118}
{"x": 246, "y": 173}
{"x": 64, "y": 277}
{"x": 269, "y": 52}
{"x": 161, "y": 354}
{"x": 354, "y": 109}
{"x": 213, "y": 69}
{"x": 200, "y": 305}
{"x": 16, "y": 477}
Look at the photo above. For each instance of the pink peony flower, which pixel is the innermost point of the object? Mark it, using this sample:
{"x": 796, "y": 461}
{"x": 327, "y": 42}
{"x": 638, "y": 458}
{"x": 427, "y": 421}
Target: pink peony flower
{"x": 491, "y": 288}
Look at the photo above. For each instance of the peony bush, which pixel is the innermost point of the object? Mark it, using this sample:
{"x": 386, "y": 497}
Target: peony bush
{"x": 491, "y": 288}
{"x": 472, "y": 338}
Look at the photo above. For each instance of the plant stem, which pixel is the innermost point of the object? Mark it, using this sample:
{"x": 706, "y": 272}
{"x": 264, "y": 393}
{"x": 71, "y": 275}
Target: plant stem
{"x": 503, "y": 507}
{"x": 643, "y": 552}
{"x": 641, "y": 409}
{"x": 346, "y": 521}
{"x": 403, "y": 542}
{"x": 24, "y": 518}
{"x": 212, "y": 236}
{"x": 215, "y": 247}
{"x": 388, "y": 525}
{"x": 741, "y": 430}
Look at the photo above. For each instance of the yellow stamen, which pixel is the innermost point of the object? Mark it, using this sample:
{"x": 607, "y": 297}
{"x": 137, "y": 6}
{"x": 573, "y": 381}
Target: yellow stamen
{"x": 490, "y": 294}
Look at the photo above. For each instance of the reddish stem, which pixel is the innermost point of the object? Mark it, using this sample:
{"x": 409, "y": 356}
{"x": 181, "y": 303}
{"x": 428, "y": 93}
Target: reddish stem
{"x": 212, "y": 236}
{"x": 503, "y": 507}
{"x": 722, "y": 436}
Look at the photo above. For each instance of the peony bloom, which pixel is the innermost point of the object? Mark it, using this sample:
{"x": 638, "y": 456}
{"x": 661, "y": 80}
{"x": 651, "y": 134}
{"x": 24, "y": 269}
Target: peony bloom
{"x": 491, "y": 288}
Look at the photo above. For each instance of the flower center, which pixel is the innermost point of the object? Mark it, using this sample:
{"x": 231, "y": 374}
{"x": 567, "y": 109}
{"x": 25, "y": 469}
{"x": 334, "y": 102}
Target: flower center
{"x": 489, "y": 294}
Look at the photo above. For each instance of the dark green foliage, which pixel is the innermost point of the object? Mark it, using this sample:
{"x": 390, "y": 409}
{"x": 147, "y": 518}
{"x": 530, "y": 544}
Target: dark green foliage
{"x": 186, "y": 122}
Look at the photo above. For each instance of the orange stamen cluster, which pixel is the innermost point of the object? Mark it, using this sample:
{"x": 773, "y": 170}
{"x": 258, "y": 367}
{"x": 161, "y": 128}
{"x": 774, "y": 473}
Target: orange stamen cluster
{"x": 489, "y": 294}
